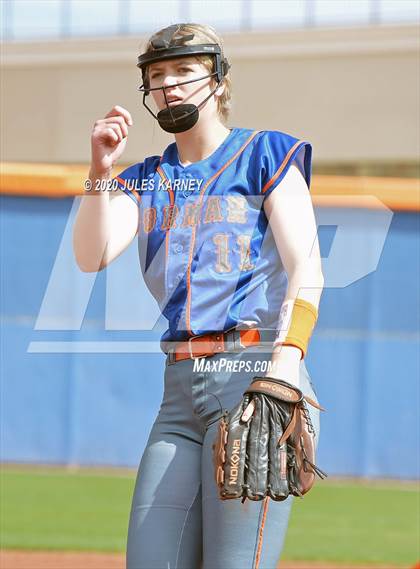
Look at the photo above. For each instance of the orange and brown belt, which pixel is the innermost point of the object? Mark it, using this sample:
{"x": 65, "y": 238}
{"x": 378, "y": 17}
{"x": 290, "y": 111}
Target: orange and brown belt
{"x": 219, "y": 342}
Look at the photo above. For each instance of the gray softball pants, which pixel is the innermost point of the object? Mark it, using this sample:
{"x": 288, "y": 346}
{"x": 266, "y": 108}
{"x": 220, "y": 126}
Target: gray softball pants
{"x": 177, "y": 520}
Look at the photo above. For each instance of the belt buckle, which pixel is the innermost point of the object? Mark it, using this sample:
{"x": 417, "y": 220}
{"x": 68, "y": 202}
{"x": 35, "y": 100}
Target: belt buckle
{"x": 171, "y": 357}
{"x": 230, "y": 339}
{"x": 192, "y": 356}
{"x": 233, "y": 340}
{"x": 238, "y": 346}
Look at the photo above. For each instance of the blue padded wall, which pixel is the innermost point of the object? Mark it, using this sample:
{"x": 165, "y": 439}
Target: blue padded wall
{"x": 97, "y": 408}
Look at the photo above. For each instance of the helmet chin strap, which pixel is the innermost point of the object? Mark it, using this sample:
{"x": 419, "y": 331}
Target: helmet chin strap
{"x": 182, "y": 117}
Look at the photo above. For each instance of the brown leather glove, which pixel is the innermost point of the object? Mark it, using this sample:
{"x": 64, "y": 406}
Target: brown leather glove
{"x": 265, "y": 446}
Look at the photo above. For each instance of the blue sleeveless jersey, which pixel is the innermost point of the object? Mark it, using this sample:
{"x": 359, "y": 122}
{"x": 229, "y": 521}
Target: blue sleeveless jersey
{"x": 206, "y": 249}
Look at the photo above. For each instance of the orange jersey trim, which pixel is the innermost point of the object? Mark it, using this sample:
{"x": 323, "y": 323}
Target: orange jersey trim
{"x": 282, "y": 167}
{"x": 206, "y": 185}
{"x": 171, "y": 200}
{"x": 122, "y": 182}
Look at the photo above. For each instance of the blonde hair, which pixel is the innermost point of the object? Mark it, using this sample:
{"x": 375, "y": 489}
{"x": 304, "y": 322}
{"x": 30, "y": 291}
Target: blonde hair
{"x": 203, "y": 34}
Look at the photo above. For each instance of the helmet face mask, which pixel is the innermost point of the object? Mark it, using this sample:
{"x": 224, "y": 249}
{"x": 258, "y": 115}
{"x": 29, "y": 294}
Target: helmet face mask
{"x": 182, "y": 117}
{"x": 166, "y": 46}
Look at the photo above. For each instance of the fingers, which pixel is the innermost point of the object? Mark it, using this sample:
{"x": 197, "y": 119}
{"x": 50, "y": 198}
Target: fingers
{"x": 114, "y": 127}
{"x": 116, "y": 124}
{"x": 118, "y": 111}
{"x": 109, "y": 133}
{"x": 115, "y": 131}
{"x": 108, "y": 139}
{"x": 248, "y": 412}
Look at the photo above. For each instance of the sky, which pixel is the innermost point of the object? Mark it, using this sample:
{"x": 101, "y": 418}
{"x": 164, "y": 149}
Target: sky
{"x": 44, "y": 19}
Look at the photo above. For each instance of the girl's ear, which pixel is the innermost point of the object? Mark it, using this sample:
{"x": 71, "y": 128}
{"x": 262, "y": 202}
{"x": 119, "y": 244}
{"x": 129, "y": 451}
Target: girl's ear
{"x": 220, "y": 90}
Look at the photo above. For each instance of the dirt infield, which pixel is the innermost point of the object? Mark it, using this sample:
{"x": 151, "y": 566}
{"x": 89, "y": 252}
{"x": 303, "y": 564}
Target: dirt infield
{"x": 69, "y": 560}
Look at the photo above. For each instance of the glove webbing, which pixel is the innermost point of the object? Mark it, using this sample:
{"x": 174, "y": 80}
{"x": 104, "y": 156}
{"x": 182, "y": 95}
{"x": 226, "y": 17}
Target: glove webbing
{"x": 292, "y": 424}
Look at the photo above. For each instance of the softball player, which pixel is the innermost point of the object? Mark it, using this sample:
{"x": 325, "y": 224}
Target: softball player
{"x": 228, "y": 248}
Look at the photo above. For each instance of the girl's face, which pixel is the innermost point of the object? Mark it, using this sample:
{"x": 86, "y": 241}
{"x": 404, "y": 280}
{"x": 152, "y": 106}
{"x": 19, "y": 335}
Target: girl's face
{"x": 169, "y": 73}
